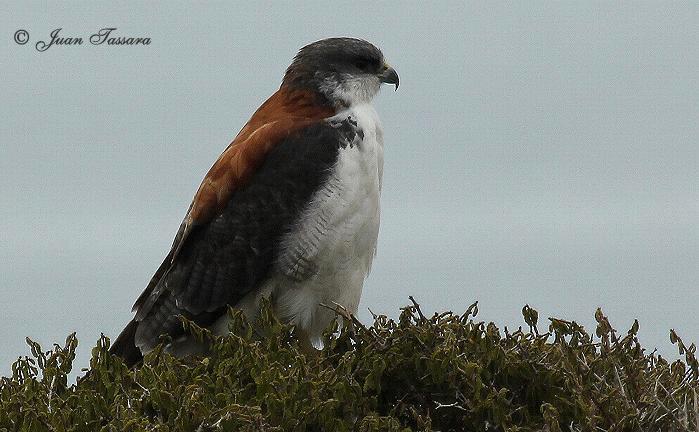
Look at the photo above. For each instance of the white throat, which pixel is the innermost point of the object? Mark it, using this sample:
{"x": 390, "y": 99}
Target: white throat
{"x": 352, "y": 90}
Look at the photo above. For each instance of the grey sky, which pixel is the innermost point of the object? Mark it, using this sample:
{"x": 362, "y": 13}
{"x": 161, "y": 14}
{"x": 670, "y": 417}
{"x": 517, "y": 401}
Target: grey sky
{"x": 540, "y": 153}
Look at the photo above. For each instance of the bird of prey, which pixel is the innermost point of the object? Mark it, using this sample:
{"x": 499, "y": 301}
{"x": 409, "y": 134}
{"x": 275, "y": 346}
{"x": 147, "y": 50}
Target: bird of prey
{"x": 289, "y": 211}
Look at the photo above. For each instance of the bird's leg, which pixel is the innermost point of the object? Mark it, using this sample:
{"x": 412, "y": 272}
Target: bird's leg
{"x": 305, "y": 344}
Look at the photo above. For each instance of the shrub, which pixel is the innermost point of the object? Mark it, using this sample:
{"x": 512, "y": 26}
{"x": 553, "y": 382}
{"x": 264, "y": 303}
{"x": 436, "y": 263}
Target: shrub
{"x": 444, "y": 372}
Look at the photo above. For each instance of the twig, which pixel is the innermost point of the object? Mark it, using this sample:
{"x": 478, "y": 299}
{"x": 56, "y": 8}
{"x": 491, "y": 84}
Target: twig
{"x": 417, "y": 308}
{"x": 344, "y": 313}
{"x": 669, "y": 412}
{"x": 53, "y": 381}
{"x": 451, "y": 405}
{"x": 621, "y": 387}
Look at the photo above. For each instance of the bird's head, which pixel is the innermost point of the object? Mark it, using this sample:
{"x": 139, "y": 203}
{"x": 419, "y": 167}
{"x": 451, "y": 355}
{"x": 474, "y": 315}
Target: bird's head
{"x": 346, "y": 71}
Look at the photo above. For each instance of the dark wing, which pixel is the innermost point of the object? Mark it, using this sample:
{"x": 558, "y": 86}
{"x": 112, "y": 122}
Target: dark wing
{"x": 226, "y": 248}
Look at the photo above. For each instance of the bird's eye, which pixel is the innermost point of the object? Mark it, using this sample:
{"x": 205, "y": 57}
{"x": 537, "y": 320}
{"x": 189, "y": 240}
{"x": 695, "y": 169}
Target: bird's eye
{"x": 361, "y": 64}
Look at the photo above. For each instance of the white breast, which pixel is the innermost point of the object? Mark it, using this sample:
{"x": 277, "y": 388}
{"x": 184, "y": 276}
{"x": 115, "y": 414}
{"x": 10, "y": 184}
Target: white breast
{"x": 343, "y": 218}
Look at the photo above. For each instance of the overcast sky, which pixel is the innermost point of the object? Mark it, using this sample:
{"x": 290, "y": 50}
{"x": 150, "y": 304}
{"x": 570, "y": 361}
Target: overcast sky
{"x": 540, "y": 153}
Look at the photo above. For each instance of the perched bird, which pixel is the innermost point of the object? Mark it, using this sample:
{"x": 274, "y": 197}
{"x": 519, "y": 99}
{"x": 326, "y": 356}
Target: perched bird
{"x": 289, "y": 211}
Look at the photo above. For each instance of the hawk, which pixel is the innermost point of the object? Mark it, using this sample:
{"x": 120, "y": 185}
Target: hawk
{"x": 289, "y": 211}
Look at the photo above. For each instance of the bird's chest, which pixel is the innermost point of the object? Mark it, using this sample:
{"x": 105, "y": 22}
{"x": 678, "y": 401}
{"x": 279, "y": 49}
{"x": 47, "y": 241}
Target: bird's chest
{"x": 330, "y": 252}
{"x": 349, "y": 202}
{"x": 345, "y": 211}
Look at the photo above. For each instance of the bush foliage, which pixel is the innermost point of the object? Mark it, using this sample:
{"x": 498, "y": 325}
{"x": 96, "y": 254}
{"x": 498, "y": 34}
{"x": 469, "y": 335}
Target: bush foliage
{"x": 445, "y": 372}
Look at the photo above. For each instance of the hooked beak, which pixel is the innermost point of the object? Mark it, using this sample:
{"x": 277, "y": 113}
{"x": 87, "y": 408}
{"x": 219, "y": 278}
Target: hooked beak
{"x": 389, "y": 75}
